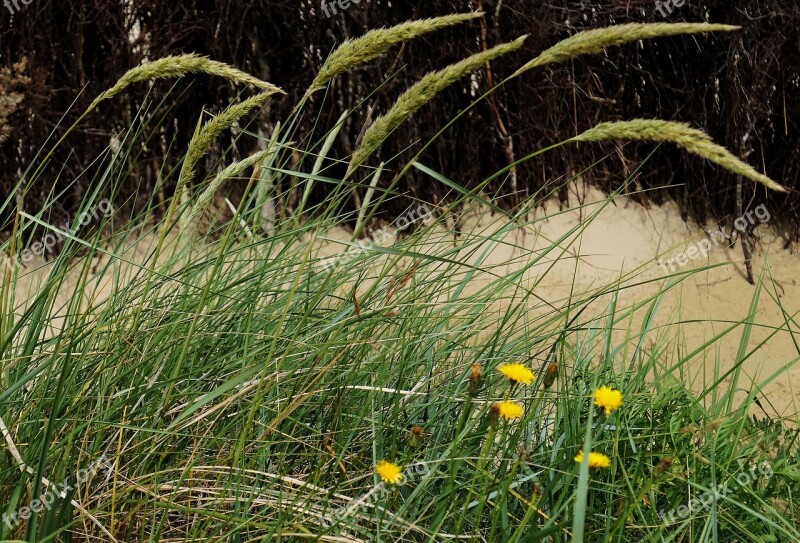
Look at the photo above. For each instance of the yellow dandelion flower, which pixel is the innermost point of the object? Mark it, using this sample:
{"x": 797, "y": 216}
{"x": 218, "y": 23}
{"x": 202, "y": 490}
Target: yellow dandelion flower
{"x": 517, "y": 373}
{"x": 388, "y": 472}
{"x": 608, "y": 398}
{"x": 507, "y": 410}
{"x": 596, "y": 460}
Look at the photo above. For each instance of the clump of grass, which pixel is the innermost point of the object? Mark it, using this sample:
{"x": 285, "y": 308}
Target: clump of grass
{"x": 420, "y": 94}
{"x": 286, "y": 398}
{"x": 684, "y": 136}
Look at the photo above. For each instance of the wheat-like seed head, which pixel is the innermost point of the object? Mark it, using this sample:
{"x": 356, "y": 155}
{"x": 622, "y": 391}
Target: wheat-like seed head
{"x": 178, "y": 66}
{"x": 420, "y": 94}
{"x": 376, "y": 42}
{"x": 233, "y": 170}
{"x": 204, "y": 137}
{"x": 595, "y": 40}
{"x": 10, "y": 77}
{"x": 688, "y": 138}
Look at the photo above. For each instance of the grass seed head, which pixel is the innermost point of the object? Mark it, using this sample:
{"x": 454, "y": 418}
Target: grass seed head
{"x": 420, "y": 94}
{"x": 689, "y": 139}
{"x": 178, "y": 66}
{"x": 594, "y": 41}
{"x": 374, "y": 43}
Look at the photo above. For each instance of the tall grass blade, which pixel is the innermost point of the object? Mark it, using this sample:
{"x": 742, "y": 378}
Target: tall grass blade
{"x": 265, "y": 208}
{"x": 365, "y": 204}
{"x": 321, "y": 156}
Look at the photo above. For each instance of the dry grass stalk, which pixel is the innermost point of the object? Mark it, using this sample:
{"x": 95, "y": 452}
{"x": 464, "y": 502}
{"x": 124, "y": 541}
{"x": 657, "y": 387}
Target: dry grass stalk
{"x": 10, "y": 100}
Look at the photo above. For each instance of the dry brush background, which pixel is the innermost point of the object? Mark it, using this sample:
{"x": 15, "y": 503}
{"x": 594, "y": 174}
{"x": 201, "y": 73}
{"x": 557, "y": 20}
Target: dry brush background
{"x": 742, "y": 88}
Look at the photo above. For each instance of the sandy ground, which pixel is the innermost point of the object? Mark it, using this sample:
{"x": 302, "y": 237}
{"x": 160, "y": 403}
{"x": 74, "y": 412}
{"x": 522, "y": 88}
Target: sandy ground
{"x": 627, "y": 238}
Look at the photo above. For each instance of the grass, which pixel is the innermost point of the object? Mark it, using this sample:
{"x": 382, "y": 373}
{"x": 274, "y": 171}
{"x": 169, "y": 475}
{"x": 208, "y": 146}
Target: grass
{"x": 240, "y": 390}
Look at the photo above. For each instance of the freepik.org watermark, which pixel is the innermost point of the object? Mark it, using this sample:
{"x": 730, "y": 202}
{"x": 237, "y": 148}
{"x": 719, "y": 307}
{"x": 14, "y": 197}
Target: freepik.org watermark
{"x": 46, "y": 500}
{"x": 329, "y": 8}
{"x": 714, "y": 493}
{"x": 666, "y": 7}
{"x": 702, "y": 248}
{"x": 49, "y": 241}
{"x": 404, "y": 222}
{"x": 13, "y": 5}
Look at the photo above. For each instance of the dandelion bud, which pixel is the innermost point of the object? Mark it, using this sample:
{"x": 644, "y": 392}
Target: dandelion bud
{"x": 494, "y": 416}
{"x": 416, "y": 435}
{"x": 474, "y": 380}
{"x": 550, "y": 375}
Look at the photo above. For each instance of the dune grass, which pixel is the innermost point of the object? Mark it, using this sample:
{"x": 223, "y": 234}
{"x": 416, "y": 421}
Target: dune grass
{"x": 238, "y": 387}
{"x": 256, "y": 393}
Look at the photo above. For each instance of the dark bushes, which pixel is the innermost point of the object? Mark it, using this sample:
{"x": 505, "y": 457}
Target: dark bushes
{"x": 744, "y": 89}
